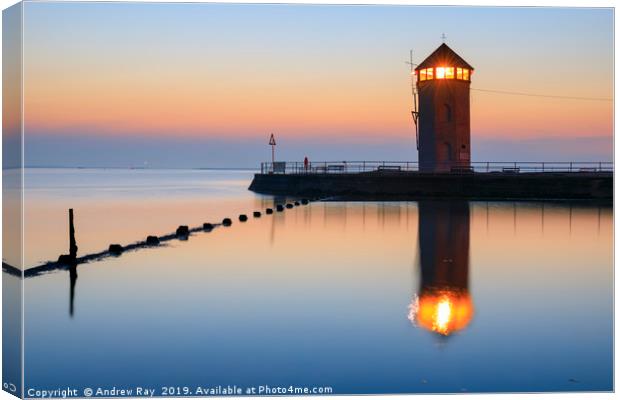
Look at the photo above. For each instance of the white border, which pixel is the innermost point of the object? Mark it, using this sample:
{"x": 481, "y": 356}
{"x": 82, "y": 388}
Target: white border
{"x": 487, "y": 3}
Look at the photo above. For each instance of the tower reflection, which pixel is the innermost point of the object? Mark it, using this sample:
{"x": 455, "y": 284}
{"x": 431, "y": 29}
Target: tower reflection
{"x": 443, "y": 304}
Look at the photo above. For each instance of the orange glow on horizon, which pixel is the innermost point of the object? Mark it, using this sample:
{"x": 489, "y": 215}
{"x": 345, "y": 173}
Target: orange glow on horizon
{"x": 197, "y": 106}
{"x": 356, "y": 105}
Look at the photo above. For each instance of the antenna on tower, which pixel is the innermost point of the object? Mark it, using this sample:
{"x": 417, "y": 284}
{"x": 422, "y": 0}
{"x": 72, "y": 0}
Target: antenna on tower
{"x": 414, "y": 94}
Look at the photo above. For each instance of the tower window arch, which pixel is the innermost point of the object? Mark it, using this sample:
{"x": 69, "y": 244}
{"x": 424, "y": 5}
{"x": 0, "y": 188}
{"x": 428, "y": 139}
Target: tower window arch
{"x": 447, "y": 112}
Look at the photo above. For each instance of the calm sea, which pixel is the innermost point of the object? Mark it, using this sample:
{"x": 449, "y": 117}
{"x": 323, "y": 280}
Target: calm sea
{"x": 360, "y": 297}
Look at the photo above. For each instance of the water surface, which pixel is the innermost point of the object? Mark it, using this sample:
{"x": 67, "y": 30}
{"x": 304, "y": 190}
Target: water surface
{"x": 364, "y": 297}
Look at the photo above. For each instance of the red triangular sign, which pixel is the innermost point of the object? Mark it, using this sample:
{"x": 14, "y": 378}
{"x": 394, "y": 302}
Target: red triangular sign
{"x": 272, "y": 140}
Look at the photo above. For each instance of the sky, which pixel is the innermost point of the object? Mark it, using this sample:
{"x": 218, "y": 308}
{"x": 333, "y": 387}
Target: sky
{"x": 203, "y": 85}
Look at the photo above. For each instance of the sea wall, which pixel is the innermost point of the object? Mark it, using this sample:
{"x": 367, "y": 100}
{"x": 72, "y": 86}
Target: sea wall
{"x": 416, "y": 185}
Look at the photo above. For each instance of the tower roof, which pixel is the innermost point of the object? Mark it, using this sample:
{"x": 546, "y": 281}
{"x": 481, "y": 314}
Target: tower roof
{"x": 444, "y": 55}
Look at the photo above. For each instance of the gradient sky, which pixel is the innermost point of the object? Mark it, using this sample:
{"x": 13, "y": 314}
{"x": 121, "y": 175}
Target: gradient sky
{"x": 204, "y": 85}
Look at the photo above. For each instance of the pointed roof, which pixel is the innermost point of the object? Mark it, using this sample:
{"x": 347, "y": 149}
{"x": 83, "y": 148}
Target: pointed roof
{"x": 444, "y": 55}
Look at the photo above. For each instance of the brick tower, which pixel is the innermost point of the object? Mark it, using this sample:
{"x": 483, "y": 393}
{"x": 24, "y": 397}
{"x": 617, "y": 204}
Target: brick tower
{"x": 443, "y": 81}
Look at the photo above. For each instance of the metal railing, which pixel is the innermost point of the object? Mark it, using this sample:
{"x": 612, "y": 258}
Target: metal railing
{"x": 512, "y": 167}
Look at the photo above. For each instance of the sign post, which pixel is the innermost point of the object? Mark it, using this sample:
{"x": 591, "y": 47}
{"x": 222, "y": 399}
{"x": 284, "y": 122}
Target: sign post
{"x": 272, "y": 143}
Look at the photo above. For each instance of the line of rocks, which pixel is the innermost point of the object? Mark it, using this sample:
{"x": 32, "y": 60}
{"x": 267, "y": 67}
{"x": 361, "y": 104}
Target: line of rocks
{"x": 182, "y": 233}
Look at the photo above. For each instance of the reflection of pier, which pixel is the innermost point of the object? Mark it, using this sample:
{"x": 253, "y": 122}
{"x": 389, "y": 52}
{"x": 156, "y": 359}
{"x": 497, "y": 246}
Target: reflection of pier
{"x": 444, "y": 304}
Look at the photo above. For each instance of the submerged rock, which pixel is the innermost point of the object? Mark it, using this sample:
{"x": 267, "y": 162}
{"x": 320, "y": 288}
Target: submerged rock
{"x": 152, "y": 240}
{"x": 115, "y": 249}
{"x": 183, "y": 231}
{"x": 66, "y": 259}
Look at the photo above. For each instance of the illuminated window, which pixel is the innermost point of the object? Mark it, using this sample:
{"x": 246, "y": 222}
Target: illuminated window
{"x": 449, "y": 72}
{"x": 429, "y": 73}
{"x": 466, "y": 74}
{"x": 459, "y": 73}
{"x": 440, "y": 72}
{"x": 422, "y": 75}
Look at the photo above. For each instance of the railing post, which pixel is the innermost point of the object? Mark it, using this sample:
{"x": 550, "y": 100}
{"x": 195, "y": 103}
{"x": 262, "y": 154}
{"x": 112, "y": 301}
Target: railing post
{"x": 570, "y": 167}
{"x": 543, "y": 166}
{"x": 600, "y": 168}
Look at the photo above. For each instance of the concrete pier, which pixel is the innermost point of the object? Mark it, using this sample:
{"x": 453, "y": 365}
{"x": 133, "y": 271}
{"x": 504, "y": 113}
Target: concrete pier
{"x": 398, "y": 185}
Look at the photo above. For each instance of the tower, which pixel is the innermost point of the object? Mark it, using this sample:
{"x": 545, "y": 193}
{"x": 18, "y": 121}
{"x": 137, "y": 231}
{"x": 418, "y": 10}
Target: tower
{"x": 443, "y": 81}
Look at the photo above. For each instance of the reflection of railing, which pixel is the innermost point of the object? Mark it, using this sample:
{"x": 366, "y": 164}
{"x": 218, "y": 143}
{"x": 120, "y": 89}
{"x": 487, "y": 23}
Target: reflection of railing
{"x": 351, "y": 167}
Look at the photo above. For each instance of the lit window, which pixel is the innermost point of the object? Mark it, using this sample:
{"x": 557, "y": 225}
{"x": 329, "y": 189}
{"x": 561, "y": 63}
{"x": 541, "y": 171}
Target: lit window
{"x": 429, "y": 73}
{"x": 440, "y": 72}
{"x": 466, "y": 74}
{"x": 449, "y": 72}
{"x": 459, "y": 73}
{"x": 423, "y": 75}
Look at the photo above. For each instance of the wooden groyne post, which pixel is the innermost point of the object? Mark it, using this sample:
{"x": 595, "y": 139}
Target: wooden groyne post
{"x": 72, "y": 279}
{"x": 70, "y": 259}
{"x": 72, "y": 262}
{"x": 72, "y": 243}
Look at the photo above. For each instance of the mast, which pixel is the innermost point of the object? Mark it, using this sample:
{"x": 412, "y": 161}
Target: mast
{"x": 414, "y": 94}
